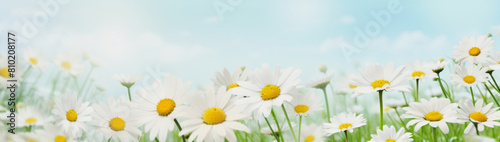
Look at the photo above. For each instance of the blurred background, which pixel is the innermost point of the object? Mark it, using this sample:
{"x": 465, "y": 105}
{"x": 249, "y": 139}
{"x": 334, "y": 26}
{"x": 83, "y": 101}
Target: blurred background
{"x": 193, "y": 39}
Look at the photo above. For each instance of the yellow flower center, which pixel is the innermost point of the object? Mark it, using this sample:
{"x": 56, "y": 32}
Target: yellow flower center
{"x": 301, "y": 108}
{"x": 213, "y": 116}
{"x": 270, "y": 92}
{"x": 30, "y": 120}
{"x": 469, "y": 79}
{"x": 33, "y": 61}
{"x": 71, "y": 115}
{"x": 417, "y": 74}
{"x": 380, "y": 83}
{"x": 474, "y": 51}
{"x": 390, "y": 140}
{"x": 478, "y": 116}
{"x": 345, "y": 126}
{"x": 352, "y": 86}
{"x": 4, "y": 72}
{"x": 60, "y": 138}
{"x": 117, "y": 124}
{"x": 66, "y": 65}
{"x": 387, "y": 109}
{"x": 433, "y": 116}
{"x": 309, "y": 138}
{"x": 498, "y": 62}
{"x": 165, "y": 107}
{"x": 232, "y": 86}
{"x": 31, "y": 140}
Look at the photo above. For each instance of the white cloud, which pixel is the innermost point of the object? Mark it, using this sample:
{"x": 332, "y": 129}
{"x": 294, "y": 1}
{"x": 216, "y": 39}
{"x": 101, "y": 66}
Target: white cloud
{"x": 410, "y": 40}
{"x": 347, "y": 19}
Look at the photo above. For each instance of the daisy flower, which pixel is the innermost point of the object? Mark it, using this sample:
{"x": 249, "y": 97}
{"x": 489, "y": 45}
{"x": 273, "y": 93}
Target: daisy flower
{"x": 322, "y": 82}
{"x": 376, "y": 78}
{"x": 438, "y": 66}
{"x": 213, "y": 117}
{"x": 389, "y": 134}
{"x": 303, "y": 104}
{"x": 27, "y": 137}
{"x": 267, "y": 88}
{"x": 436, "y": 112}
{"x": 72, "y": 114}
{"x": 51, "y": 132}
{"x": 479, "y": 114}
{"x": 156, "y": 108}
{"x": 419, "y": 70}
{"x": 126, "y": 80}
{"x": 69, "y": 63}
{"x": 311, "y": 133}
{"x": 35, "y": 59}
{"x": 475, "y": 50}
{"x": 469, "y": 76}
{"x": 347, "y": 85}
{"x": 493, "y": 62}
{"x": 114, "y": 120}
{"x": 4, "y": 71}
{"x": 30, "y": 116}
{"x": 229, "y": 81}
{"x": 343, "y": 122}
{"x": 322, "y": 68}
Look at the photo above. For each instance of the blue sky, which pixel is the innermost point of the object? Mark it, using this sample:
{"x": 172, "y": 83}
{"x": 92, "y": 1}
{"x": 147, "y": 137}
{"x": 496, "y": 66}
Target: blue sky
{"x": 188, "y": 39}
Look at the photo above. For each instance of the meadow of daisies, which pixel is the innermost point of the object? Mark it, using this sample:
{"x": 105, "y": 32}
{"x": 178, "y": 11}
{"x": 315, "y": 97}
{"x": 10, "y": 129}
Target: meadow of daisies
{"x": 453, "y": 99}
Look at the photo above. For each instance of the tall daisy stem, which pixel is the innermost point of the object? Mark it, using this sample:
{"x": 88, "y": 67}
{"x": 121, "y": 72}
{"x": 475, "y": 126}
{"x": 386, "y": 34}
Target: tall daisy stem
{"x": 346, "y": 137}
{"x": 417, "y": 90}
{"x": 180, "y": 129}
{"x": 493, "y": 78}
{"x": 277, "y": 125}
{"x": 326, "y": 102}
{"x": 472, "y": 95}
{"x": 442, "y": 88}
{"x": 129, "y": 97}
{"x": 272, "y": 131}
{"x": 493, "y": 96}
{"x": 300, "y": 125}
{"x": 381, "y": 109}
{"x": 288, "y": 121}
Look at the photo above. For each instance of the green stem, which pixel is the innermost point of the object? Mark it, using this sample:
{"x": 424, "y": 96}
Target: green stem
{"x": 76, "y": 83}
{"x": 381, "y": 109}
{"x": 475, "y": 126}
{"x": 300, "y": 125}
{"x": 472, "y": 95}
{"x": 417, "y": 90}
{"x": 271, "y": 128}
{"x": 493, "y": 96}
{"x": 54, "y": 85}
{"x": 442, "y": 88}
{"x": 26, "y": 72}
{"x": 129, "y": 97}
{"x": 86, "y": 79}
{"x": 404, "y": 96}
{"x": 494, "y": 86}
{"x": 402, "y": 122}
{"x": 326, "y": 102}
{"x": 493, "y": 78}
{"x": 346, "y": 137}
{"x": 180, "y": 129}
{"x": 277, "y": 125}
{"x": 288, "y": 121}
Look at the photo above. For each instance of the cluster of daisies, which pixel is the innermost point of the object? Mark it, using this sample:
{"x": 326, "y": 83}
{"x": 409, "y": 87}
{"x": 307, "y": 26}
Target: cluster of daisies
{"x": 268, "y": 104}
